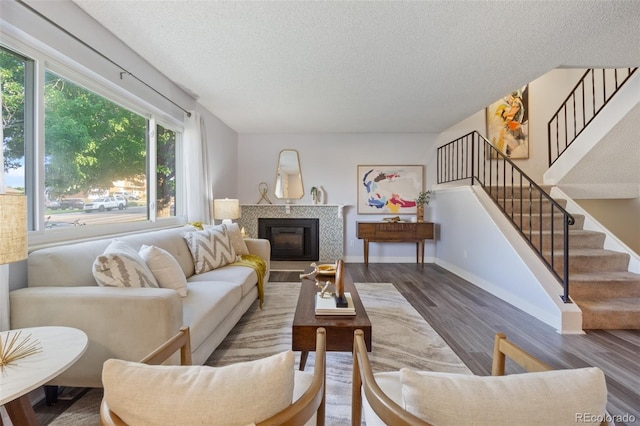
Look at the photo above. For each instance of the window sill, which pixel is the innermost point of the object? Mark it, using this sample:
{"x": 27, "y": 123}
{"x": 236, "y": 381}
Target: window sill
{"x": 55, "y": 237}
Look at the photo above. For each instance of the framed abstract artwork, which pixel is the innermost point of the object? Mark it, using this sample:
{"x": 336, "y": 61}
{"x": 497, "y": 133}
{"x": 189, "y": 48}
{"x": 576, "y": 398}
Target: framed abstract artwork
{"x": 389, "y": 189}
{"x": 508, "y": 124}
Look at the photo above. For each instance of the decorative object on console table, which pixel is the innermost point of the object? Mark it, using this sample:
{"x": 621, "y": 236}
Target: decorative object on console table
{"x": 226, "y": 209}
{"x": 389, "y": 189}
{"x": 423, "y": 198}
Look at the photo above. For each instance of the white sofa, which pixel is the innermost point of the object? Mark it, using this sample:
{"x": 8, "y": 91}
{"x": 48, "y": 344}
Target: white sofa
{"x": 128, "y": 323}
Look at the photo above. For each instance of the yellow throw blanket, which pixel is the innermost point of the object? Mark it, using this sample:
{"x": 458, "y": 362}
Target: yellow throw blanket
{"x": 260, "y": 266}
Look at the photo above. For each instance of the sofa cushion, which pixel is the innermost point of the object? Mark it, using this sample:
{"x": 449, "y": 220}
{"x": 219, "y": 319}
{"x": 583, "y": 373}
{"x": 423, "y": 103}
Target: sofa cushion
{"x": 245, "y": 277}
{"x": 549, "y": 397}
{"x": 207, "y": 305}
{"x": 121, "y": 266}
{"x": 235, "y": 235}
{"x": 240, "y": 394}
{"x": 165, "y": 268}
{"x": 210, "y": 248}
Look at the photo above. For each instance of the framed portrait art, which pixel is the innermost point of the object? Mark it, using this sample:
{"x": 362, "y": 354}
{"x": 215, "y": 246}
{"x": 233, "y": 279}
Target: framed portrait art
{"x": 389, "y": 189}
{"x": 508, "y": 124}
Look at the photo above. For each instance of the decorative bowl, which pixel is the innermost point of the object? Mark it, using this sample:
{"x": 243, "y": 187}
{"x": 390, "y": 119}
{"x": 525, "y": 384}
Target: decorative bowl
{"x": 326, "y": 269}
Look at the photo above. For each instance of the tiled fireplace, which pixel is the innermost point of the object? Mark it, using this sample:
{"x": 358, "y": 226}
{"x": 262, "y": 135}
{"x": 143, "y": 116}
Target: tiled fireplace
{"x": 330, "y": 223}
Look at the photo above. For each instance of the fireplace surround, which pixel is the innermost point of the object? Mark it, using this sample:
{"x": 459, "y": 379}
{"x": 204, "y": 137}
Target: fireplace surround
{"x": 330, "y": 216}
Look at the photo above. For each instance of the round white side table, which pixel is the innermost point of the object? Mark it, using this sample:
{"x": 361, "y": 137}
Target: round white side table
{"x": 60, "y": 348}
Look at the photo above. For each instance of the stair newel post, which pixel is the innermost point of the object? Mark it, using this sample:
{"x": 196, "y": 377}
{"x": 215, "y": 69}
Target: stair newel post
{"x": 565, "y": 278}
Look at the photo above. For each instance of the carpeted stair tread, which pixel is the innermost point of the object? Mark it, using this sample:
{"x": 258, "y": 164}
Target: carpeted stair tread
{"x": 604, "y": 284}
{"x": 578, "y": 238}
{"x": 545, "y": 218}
{"x": 514, "y": 204}
{"x": 515, "y": 191}
{"x": 591, "y": 260}
{"x": 613, "y": 313}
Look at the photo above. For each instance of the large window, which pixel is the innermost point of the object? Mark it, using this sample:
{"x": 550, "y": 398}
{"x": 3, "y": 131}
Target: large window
{"x": 99, "y": 163}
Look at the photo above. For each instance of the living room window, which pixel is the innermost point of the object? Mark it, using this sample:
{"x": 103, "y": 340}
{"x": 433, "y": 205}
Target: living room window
{"x": 91, "y": 161}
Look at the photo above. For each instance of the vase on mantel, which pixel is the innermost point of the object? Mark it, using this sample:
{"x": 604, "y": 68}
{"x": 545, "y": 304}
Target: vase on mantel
{"x": 420, "y": 212}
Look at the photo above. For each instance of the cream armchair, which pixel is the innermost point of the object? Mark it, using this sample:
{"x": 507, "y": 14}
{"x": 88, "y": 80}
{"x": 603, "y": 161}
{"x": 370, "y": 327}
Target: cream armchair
{"x": 137, "y": 393}
{"x": 541, "y": 396}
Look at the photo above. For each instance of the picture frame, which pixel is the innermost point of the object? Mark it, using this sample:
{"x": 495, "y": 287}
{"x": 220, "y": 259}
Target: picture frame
{"x": 389, "y": 189}
{"x": 508, "y": 124}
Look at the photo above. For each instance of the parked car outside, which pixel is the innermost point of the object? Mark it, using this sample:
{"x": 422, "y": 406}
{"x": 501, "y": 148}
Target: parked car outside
{"x": 105, "y": 203}
{"x": 126, "y": 195}
{"x": 53, "y": 205}
{"x": 122, "y": 200}
{"x": 71, "y": 203}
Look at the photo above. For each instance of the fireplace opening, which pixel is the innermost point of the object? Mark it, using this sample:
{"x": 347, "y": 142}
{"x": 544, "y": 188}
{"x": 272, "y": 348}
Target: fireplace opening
{"x": 291, "y": 239}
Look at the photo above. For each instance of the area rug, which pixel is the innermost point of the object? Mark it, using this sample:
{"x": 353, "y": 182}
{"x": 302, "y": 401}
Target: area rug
{"x": 400, "y": 338}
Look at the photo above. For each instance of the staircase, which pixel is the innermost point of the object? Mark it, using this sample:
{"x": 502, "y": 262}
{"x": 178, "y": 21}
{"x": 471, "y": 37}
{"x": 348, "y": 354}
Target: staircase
{"x": 601, "y": 285}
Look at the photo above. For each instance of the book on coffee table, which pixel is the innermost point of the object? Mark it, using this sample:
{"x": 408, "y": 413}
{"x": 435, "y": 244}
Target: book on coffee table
{"x": 327, "y": 305}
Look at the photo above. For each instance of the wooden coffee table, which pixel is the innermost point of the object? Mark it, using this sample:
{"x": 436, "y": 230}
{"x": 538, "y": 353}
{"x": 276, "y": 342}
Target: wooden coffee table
{"x": 339, "y": 328}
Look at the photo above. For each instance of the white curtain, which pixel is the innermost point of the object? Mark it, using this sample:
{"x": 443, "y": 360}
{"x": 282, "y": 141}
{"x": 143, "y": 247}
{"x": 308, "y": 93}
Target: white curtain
{"x": 197, "y": 185}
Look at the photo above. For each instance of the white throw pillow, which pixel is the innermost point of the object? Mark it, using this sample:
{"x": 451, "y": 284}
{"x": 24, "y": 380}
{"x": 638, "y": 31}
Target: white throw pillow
{"x": 165, "y": 268}
{"x": 237, "y": 241}
{"x": 121, "y": 266}
{"x": 238, "y": 394}
{"x": 555, "y": 397}
{"x": 210, "y": 248}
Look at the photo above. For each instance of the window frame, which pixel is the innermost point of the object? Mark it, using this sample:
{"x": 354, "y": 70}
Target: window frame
{"x": 41, "y": 58}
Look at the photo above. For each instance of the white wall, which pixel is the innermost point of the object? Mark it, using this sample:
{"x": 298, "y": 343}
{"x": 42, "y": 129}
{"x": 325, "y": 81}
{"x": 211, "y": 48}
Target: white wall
{"x": 330, "y": 161}
{"x": 223, "y": 155}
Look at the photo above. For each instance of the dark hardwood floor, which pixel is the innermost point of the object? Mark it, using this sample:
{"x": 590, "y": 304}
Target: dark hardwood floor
{"x": 468, "y": 317}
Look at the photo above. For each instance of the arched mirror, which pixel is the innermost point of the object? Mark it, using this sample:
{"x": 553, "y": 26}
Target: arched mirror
{"x": 289, "y": 176}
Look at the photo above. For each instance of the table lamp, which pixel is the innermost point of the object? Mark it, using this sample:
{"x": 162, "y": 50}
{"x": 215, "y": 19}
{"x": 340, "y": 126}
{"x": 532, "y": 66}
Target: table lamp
{"x": 13, "y": 245}
{"x": 226, "y": 209}
{"x": 13, "y": 228}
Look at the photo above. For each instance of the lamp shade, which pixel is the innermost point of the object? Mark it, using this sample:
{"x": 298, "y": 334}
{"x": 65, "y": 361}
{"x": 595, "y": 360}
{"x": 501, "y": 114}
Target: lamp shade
{"x": 226, "y": 209}
{"x": 13, "y": 228}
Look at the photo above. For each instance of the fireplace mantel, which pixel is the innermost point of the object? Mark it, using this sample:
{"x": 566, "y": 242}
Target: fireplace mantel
{"x": 331, "y": 223}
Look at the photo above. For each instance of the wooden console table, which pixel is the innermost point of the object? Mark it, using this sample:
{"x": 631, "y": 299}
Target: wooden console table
{"x": 399, "y": 232}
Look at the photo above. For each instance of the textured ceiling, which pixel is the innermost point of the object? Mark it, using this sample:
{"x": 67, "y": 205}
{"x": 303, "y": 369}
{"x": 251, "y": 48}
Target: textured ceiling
{"x": 342, "y": 66}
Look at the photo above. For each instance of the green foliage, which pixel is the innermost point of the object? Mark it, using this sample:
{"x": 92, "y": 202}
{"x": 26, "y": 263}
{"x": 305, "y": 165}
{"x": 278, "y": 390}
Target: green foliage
{"x": 165, "y": 169}
{"x": 89, "y": 141}
{"x": 423, "y": 198}
{"x": 12, "y": 75}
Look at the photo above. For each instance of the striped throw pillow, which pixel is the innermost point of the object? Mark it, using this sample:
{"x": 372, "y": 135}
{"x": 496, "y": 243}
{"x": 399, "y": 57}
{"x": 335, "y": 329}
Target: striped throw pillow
{"x": 210, "y": 248}
{"x": 121, "y": 266}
